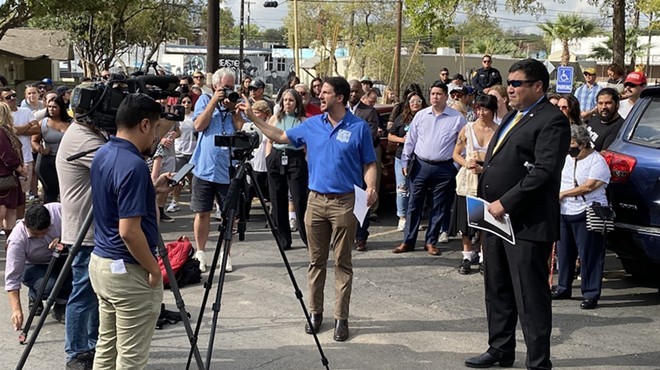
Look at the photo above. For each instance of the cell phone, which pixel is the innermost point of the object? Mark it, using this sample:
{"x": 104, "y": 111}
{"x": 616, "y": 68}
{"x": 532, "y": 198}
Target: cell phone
{"x": 179, "y": 176}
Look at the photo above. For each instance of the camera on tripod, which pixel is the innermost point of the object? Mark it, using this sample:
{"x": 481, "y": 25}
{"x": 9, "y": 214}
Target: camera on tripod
{"x": 241, "y": 143}
{"x": 97, "y": 103}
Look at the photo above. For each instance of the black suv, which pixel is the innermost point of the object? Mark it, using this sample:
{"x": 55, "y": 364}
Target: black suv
{"x": 634, "y": 190}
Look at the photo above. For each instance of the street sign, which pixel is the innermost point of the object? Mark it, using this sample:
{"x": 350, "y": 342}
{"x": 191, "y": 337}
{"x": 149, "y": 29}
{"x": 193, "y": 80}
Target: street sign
{"x": 565, "y": 79}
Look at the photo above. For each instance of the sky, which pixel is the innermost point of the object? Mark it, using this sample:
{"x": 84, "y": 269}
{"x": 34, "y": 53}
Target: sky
{"x": 272, "y": 17}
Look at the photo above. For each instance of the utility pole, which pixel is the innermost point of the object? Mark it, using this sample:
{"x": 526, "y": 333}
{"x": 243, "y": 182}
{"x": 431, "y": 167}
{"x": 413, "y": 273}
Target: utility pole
{"x": 397, "y": 52}
{"x": 296, "y": 51}
{"x": 240, "y": 41}
{"x": 213, "y": 38}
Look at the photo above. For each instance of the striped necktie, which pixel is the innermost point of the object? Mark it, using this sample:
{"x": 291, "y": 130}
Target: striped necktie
{"x": 506, "y": 130}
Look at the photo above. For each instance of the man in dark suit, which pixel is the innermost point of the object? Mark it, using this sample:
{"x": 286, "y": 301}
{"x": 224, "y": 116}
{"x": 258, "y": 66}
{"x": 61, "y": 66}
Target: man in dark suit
{"x": 521, "y": 176}
{"x": 370, "y": 116}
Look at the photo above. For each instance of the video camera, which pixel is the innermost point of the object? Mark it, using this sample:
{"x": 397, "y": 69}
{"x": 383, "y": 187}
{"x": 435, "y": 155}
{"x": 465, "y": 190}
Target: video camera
{"x": 97, "y": 103}
{"x": 241, "y": 143}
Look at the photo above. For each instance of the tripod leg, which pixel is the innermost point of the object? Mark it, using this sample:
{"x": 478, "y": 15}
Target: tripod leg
{"x": 56, "y": 289}
{"x": 162, "y": 251}
{"x": 297, "y": 290}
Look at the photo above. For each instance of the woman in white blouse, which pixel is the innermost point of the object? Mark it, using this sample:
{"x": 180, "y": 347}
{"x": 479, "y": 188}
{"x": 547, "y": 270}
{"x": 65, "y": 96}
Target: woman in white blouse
{"x": 584, "y": 179}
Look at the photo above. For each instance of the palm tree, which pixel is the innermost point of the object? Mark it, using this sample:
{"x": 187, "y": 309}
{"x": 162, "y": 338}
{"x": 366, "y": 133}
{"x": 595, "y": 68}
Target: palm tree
{"x": 566, "y": 28}
{"x": 633, "y": 50}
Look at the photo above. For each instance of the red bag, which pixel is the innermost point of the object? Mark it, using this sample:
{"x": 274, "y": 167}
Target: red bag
{"x": 178, "y": 252}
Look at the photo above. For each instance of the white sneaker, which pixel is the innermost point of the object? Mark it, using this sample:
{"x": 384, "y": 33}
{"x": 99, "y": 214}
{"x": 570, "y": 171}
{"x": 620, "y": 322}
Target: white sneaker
{"x": 444, "y": 238}
{"x": 173, "y": 207}
{"x": 402, "y": 224}
{"x": 199, "y": 255}
{"x": 293, "y": 225}
{"x": 218, "y": 215}
{"x": 229, "y": 267}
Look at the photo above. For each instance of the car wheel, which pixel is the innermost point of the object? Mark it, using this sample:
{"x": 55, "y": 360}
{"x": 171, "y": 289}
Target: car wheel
{"x": 644, "y": 272}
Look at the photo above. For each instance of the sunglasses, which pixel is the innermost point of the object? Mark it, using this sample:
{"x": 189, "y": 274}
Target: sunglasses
{"x": 588, "y": 74}
{"x": 487, "y": 61}
{"x": 181, "y": 85}
{"x": 198, "y": 76}
{"x": 444, "y": 74}
{"x": 11, "y": 96}
{"x": 518, "y": 83}
{"x": 630, "y": 85}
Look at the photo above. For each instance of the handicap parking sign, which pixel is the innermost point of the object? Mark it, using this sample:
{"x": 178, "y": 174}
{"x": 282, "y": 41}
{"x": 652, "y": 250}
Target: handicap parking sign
{"x": 565, "y": 79}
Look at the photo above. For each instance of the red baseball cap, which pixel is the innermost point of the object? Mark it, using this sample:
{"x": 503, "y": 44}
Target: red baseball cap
{"x": 635, "y": 78}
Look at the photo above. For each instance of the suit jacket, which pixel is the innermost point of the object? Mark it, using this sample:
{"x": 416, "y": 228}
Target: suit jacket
{"x": 529, "y": 195}
{"x": 370, "y": 115}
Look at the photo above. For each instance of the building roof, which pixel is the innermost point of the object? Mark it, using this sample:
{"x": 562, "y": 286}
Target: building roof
{"x": 33, "y": 43}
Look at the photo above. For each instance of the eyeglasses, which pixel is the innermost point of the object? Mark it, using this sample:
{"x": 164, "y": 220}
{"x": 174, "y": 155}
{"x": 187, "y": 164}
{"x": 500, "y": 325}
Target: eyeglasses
{"x": 456, "y": 94}
{"x": 487, "y": 61}
{"x": 563, "y": 107}
{"x": 518, "y": 83}
{"x": 303, "y": 94}
{"x": 41, "y": 87}
{"x": 416, "y": 101}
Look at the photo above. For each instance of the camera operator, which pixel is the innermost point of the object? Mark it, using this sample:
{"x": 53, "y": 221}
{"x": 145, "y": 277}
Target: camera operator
{"x": 214, "y": 115}
{"x": 29, "y": 252}
{"x": 82, "y": 316}
{"x": 340, "y": 155}
{"x": 123, "y": 267}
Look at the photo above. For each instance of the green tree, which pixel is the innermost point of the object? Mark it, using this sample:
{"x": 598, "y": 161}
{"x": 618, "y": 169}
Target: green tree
{"x": 567, "y": 28}
{"x": 604, "y": 50}
{"x": 17, "y": 13}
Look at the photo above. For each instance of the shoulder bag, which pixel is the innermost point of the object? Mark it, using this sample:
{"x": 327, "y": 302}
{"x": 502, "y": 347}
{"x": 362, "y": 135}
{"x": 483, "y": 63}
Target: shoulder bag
{"x": 600, "y": 218}
{"x": 466, "y": 180}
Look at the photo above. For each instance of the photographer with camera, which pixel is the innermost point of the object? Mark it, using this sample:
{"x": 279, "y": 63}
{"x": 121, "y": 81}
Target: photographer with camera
{"x": 214, "y": 115}
{"x": 340, "y": 154}
{"x": 123, "y": 267}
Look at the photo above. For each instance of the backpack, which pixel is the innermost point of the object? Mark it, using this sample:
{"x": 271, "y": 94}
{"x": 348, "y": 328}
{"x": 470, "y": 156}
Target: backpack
{"x": 184, "y": 265}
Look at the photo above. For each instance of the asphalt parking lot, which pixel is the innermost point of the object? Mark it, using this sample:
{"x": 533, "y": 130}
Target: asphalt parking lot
{"x": 410, "y": 311}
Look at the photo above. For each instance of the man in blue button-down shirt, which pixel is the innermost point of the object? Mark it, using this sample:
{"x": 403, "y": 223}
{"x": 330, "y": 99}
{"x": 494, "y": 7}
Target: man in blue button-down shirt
{"x": 432, "y": 136}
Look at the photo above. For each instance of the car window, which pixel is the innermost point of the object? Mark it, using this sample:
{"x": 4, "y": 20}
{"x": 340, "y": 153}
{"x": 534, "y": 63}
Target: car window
{"x": 648, "y": 129}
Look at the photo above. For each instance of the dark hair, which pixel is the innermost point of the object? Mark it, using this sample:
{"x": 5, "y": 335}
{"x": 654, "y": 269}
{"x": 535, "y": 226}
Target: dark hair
{"x": 188, "y": 78}
{"x": 407, "y": 114}
{"x": 319, "y": 79}
{"x": 533, "y": 70}
{"x": 3, "y": 81}
{"x": 444, "y": 69}
{"x": 487, "y": 101}
{"x": 37, "y": 218}
{"x": 554, "y": 96}
{"x": 6, "y": 89}
{"x": 413, "y": 87}
{"x": 611, "y": 92}
{"x": 64, "y": 114}
{"x": 183, "y": 96}
{"x": 134, "y": 108}
{"x": 340, "y": 86}
{"x": 617, "y": 69}
{"x": 487, "y": 56}
{"x": 440, "y": 84}
{"x": 573, "y": 109}
{"x": 299, "y": 112}
{"x": 290, "y": 81}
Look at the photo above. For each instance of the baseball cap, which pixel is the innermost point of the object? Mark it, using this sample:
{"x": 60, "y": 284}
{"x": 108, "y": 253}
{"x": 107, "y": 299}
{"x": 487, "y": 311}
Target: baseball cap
{"x": 635, "y": 78}
{"x": 365, "y": 79}
{"x": 463, "y": 90}
{"x": 256, "y": 84}
{"x": 47, "y": 81}
{"x": 590, "y": 70}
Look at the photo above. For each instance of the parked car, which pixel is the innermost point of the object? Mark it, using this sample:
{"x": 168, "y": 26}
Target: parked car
{"x": 634, "y": 191}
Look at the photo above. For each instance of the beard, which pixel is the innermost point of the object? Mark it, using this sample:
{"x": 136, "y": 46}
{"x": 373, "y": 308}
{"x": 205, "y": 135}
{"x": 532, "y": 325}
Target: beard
{"x": 606, "y": 115}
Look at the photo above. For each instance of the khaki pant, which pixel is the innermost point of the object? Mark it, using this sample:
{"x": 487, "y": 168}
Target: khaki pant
{"x": 128, "y": 310}
{"x": 330, "y": 222}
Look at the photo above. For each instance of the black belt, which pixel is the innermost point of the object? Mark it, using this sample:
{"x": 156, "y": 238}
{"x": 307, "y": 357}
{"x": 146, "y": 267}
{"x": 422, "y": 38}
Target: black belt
{"x": 434, "y": 162}
{"x": 332, "y": 195}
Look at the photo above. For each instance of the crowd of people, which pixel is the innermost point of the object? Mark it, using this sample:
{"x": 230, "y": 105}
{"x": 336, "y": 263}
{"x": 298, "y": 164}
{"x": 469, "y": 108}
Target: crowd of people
{"x": 318, "y": 142}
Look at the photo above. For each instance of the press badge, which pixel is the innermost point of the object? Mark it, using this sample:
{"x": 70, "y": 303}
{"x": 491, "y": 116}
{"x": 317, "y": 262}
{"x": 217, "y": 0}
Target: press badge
{"x": 343, "y": 136}
{"x": 285, "y": 160}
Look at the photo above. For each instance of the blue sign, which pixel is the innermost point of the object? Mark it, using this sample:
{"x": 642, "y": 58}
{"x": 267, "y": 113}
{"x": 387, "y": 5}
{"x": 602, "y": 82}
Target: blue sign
{"x": 565, "y": 79}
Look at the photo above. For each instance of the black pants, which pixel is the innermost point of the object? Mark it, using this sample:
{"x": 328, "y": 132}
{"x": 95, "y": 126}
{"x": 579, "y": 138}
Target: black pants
{"x": 47, "y": 174}
{"x": 261, "y": 179}
{"x": 282, "y": 179}
{"x": 516, "y": 283}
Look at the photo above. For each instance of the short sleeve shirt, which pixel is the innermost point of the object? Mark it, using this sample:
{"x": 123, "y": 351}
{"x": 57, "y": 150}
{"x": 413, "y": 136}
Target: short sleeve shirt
{"x": 121, "y": 188}
{"x": 212, "y": 162}
{"x": 336, "y": 155}
{"x": 592, "y": 167}
{"x": 22, "y": 117}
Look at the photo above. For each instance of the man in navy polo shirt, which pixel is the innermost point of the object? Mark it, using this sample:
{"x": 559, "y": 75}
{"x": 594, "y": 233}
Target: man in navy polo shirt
{"x": 123, "y": 267}
{"x": 340, "y": 154}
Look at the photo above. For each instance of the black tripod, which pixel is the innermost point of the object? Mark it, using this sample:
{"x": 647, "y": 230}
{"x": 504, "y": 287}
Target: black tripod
{"x": 162, "y": 251}
{"x": 231, "y": 209}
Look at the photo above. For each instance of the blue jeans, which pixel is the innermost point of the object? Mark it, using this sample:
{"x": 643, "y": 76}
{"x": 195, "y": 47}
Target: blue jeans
{"x": 402, "y": 189}
{"x": 34, "y": 275}
{"x": 82, "y": 314}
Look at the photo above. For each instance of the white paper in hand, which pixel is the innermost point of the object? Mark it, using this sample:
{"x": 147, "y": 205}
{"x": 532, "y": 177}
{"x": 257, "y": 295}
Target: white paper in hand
{"x": 360, "y": 208}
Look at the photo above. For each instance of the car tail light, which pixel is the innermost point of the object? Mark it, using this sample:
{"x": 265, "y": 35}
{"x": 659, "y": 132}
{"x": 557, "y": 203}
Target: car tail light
{"x": 621, "y": 166}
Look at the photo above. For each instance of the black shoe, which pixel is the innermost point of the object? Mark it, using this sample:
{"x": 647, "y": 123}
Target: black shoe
{"x": 561, "y": 295}
{"x": 589, "y": 304}
{"x": 487, "y": 359}
{"x": 316, "y": 319}
{"x": 165, "y": 218}
{"x": 465, "y": 267}
{"x": 40, "y": 307}
{"x": 59, "y": 312}
{"x": 341, "y": 330}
